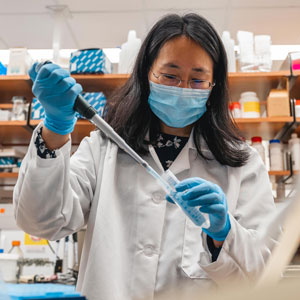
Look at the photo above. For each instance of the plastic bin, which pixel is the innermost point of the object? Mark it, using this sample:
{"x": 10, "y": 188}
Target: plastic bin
{"x": 41, "y": 291}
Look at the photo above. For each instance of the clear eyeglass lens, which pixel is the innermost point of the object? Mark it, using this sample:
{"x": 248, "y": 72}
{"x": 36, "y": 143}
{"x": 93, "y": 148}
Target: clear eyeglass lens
{"x": 169, "y": 80}
{"x": 198, "y": 84}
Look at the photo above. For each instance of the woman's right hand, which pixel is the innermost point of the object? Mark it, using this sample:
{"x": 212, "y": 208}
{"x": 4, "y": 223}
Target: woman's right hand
{"x": 57, "y": 92}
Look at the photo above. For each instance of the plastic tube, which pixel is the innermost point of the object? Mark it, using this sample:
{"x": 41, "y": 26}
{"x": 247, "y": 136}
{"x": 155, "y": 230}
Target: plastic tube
{"x": 168, "y": 181}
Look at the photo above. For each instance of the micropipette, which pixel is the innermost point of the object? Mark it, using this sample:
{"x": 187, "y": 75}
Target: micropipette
{"x": 167, "y": 182}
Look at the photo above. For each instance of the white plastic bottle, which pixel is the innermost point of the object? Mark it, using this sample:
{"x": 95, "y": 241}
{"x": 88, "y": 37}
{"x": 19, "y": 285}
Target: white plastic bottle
{"x": 256, "y": 143}
{"x": 129, "y": 51}
{"x": 276, "y": 156}
{"x": 294, "y": 147}
{"x": 235, "y": 108}
{"x": 16, "y": 249}
{"x": 250, "y": 105}
{"x": 229, "y": 47}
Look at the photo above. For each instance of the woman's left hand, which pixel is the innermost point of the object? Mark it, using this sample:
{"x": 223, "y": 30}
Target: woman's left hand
{"x": 211, "y": 200}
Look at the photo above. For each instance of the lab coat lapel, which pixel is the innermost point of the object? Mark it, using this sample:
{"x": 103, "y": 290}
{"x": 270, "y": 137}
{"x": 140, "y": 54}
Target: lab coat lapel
{"x": 155, "y": 158}
{"x": 182, "y": 161}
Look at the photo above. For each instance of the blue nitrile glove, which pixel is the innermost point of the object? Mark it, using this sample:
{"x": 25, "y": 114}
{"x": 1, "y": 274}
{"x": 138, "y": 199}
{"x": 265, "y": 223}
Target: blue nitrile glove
{"x": 57, "y": 92}
{"x": 211, "y": 200}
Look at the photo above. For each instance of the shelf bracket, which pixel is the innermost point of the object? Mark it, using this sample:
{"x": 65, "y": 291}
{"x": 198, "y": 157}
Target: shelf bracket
{"x": 29, "y": 127}
{"x": 290, "y": 167}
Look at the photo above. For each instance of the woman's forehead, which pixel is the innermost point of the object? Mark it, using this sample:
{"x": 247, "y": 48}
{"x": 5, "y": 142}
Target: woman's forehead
{"x": 181, "y": 52}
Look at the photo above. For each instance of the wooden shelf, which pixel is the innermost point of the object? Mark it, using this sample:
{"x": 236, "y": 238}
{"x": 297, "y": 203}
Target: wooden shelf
{"x": 279, "y": 173}
{"x": 264, "y": 120}
{"x": 6, "y": 106}
{"x": 259, "y": 82}
{"x": 239, "y": 82}
{"x": 295, "y": 90}
{"x": 296, "y": 72}
{"x": 21, "y": 85}
{"x": 8, "y": 179}
{"x": 297, "y": 130}
{"x": 16, "y": 85}
{"x": 264, "y": 127}
{"x": 276, "y": 74}
{"x": 105, "y": 83}
{"x": 8, "y": 175}
{"x": 14, "y": 133}
{"x": 82, "y": 129}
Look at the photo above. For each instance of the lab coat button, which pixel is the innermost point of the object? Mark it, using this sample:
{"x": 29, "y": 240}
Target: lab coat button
{"x": 157, "y": 197}
{"x": 148, "y": 250}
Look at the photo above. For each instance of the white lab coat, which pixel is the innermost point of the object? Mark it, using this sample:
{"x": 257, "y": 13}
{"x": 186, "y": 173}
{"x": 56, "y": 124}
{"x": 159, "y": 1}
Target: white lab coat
{"x": 137, "y": 244}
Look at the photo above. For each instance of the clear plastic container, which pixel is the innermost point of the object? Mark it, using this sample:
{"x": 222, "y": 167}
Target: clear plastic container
{"x": 246, "y": 56}
{"x": 19, "y": 109}
{"x": 229, "y": 47}
{"x": 263, "y": 52}
{"x": 198, "y": 218}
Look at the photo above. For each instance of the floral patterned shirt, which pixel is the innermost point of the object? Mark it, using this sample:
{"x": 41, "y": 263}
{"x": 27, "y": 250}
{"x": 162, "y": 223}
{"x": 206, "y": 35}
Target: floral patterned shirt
{"x": 42, "y": 150}
{"x": 168, "y": 147}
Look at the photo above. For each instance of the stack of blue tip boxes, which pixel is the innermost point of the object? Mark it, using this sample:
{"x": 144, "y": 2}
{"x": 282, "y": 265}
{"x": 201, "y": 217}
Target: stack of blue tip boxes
{"x": 89, "y": 61}
{"x": 97, "y": 100}
{"x": 39, "y": 291}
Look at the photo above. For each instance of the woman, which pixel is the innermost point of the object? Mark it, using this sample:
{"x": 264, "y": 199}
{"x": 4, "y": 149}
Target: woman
{"x": 173, "y": 111}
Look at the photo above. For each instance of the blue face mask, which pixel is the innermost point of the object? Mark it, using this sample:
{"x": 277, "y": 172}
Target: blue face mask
{"x": 177, "y": 107}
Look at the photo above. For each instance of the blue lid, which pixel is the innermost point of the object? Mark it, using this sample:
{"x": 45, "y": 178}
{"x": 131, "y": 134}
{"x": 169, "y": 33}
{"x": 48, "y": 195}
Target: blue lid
{"x": 1, "y": 250}
{"x": 274, "y": 141}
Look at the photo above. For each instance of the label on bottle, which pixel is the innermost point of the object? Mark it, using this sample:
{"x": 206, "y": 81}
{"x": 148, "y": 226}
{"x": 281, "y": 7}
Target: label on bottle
{"x": 251, "y": 106}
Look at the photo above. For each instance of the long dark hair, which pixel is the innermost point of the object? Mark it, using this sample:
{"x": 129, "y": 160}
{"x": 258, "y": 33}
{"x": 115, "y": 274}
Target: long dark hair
{"x": 128, "y": 111}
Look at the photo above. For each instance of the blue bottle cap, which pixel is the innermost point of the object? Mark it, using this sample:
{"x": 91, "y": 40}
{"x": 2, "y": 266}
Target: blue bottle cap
{"x": 1, "y": 250}
{"x": 274, "y": 141}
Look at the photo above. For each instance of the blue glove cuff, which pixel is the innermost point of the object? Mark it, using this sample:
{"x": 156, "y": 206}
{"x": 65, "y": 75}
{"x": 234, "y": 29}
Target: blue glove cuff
{"x": 221, "y": 235}
{"x": 60, "y": 126}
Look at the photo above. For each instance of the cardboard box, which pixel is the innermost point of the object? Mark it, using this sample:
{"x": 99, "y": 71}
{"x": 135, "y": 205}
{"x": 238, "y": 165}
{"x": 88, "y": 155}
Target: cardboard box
{"x": 278, "y": 103}
{"x": 96, "y": 99}
{"x": 89, "y": 61}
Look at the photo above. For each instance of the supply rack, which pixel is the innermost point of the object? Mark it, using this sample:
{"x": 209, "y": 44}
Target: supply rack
{"x": 18, "y": 133}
